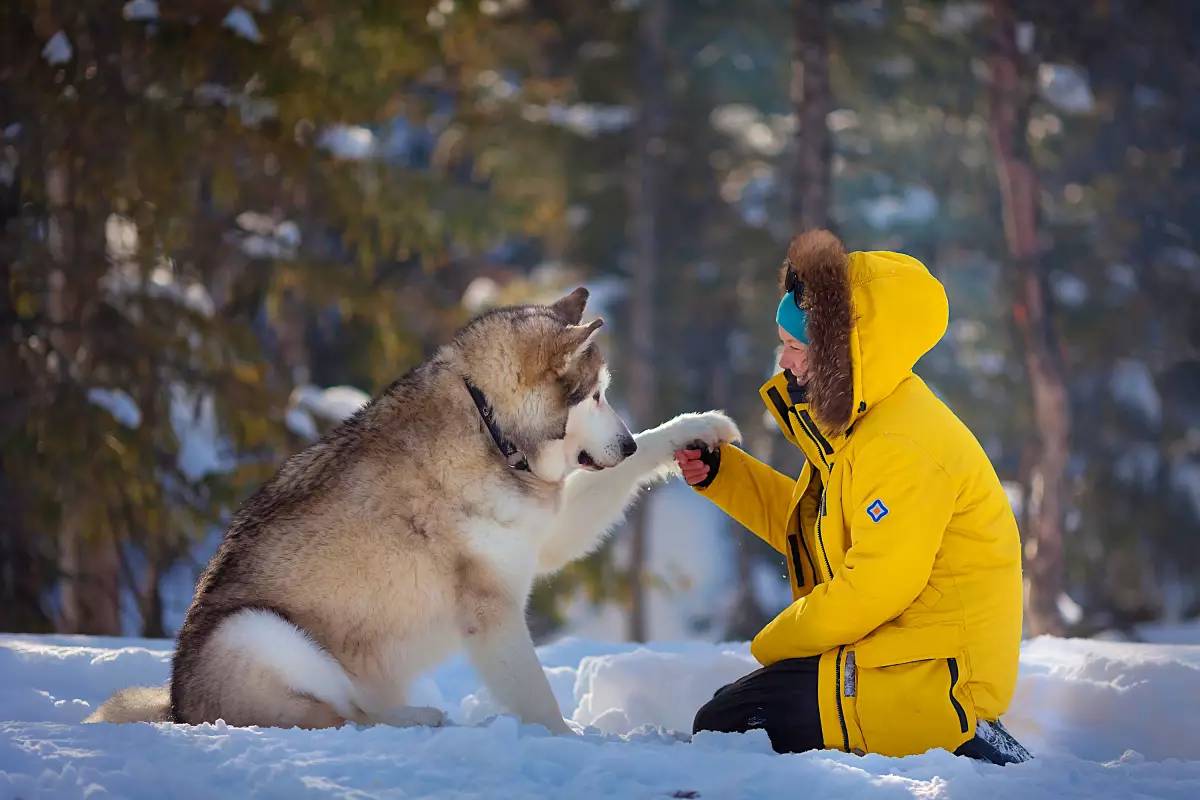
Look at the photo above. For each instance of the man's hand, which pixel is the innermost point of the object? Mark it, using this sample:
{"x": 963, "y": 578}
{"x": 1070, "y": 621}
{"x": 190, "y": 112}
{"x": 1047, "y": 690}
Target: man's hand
{"x": 698, "y": 464}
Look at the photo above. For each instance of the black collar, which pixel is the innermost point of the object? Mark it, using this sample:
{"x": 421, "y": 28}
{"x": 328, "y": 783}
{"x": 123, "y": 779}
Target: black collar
{"x": 513, "y": 457}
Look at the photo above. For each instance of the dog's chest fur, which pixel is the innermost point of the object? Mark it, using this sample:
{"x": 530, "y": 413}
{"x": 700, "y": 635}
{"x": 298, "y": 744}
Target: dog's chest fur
{"x": 506, "y": 540}
{"x": 437, "y": 590}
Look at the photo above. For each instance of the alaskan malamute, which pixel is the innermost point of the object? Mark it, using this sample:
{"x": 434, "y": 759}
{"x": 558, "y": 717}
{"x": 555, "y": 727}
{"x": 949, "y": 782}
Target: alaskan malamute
{"x": 414, "y": 529}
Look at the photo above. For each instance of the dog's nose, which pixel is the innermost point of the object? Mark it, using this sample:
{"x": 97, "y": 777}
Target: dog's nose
{"x": 628, "y": 447}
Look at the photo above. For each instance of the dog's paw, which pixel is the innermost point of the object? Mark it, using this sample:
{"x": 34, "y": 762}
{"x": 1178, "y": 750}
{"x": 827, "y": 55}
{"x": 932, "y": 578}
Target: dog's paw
{"x": 413, "y": 716}
{"x": 657, "y": 446}
{"x": 710, "y": 428}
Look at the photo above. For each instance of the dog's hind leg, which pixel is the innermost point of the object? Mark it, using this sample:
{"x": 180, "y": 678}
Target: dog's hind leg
{"x": 259, "y": 669}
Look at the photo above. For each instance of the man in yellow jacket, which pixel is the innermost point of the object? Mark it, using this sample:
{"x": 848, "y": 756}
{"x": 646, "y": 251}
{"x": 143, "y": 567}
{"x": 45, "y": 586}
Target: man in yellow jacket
{"x": 902, "y": 550}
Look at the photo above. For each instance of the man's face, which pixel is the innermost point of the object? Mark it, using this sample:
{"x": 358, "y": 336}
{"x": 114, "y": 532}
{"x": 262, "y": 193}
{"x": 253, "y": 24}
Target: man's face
{"x": 794, "y": 355}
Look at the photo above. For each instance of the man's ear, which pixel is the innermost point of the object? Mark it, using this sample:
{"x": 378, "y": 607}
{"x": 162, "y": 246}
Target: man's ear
{"x": 573, "y": 341}
{"x": 570, "y": 308}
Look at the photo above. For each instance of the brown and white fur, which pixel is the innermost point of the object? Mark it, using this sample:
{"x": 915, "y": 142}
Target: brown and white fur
{"x": 403, "y": 536}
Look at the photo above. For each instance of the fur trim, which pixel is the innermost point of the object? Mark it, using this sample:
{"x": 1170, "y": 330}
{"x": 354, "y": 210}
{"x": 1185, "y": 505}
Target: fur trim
{"x": 819, "y": 260}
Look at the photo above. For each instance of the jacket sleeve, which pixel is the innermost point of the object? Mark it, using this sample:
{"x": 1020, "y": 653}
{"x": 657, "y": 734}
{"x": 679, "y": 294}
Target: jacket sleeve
{"x": 753, "y": 493}
{"x": 901, "y": 502}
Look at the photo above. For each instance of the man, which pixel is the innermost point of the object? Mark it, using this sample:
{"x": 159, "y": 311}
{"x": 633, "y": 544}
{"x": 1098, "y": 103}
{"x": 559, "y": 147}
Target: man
{"x": 902, "y": 550}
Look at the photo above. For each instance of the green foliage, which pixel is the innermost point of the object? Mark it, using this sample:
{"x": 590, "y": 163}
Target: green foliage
{"x": 128, "y": 261}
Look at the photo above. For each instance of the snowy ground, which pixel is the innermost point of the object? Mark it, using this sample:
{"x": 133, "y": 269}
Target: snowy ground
{"x": 1106, "y": 719}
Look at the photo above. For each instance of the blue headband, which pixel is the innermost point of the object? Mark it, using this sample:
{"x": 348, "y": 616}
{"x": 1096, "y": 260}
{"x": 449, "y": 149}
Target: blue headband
{"x": 792, "y": 318}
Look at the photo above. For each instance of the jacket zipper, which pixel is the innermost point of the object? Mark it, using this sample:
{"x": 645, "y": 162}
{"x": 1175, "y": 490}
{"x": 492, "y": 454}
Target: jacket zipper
{"x": 823, "y": 446}
{"x": 837, "y": 693}
{"x": 820, "y": 538}
{"x": 958, "y": 707}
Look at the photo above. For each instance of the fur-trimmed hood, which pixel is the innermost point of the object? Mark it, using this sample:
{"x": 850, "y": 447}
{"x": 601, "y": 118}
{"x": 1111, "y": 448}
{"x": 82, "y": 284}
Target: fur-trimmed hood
{"x": 871, "y": 316}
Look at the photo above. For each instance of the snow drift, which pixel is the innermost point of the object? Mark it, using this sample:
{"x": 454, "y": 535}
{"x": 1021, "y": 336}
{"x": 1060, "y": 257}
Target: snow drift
{"x": 1105, "y": 719}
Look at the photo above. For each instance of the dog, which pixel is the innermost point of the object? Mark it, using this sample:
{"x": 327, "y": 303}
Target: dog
{"x": 414, "y": 530}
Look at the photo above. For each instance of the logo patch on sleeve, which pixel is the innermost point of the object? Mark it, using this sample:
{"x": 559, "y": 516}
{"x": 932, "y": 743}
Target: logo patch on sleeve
{"x": 877, "y": 510}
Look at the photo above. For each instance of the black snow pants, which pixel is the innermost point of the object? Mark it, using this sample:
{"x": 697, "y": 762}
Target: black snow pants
{"x": 782, "y": 700}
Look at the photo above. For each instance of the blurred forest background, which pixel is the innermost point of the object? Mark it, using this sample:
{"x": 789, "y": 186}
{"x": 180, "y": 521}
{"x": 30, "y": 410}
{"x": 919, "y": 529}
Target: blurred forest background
{"x": 221, "y": 224}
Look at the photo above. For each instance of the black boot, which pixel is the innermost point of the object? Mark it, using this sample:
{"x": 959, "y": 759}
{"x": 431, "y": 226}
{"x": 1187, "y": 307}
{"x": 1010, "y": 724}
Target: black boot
{"x": 994, "y": 744}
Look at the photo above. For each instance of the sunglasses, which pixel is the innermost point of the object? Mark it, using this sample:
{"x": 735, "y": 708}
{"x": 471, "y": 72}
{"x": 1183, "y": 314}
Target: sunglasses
{"x": 792, "y": 282}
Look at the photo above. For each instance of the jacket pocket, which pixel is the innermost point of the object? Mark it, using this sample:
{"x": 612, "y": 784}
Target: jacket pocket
{"x": 910, "y": 690}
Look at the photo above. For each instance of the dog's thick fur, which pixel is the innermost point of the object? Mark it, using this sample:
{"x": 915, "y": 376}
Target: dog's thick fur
{"x": 403, "y": 536}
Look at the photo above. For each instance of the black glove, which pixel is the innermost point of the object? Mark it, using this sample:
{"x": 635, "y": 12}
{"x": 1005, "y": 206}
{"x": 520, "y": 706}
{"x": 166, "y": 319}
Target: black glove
{"x": 710, "y": 457}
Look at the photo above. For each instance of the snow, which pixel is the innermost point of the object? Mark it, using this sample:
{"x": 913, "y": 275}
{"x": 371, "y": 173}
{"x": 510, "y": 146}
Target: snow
{"x": 1068, "y": 609}
{"x": 1066, "y": 88}
{"x": 763, "y": 134}
{"x": 140, "y": 10}
{"x": 301, "y": 423}
{"x": 124, "y": 278}
{"x": 57, "y": 50}
{"x": 262, "y": 236}
{"x": 117, "y": 403}
{"x": 240, "y": 21}
{"x": 1070, "y": 290}
{"x": 585, "y": 119}
{"x": 1138, "y": 464}
{"x": 1026, "y": 33}
{"x": 1185, "y": 480}
{"x": 331, "y": 405}
{"x": 1181, "y": 258}
{"x": 120, "y": 237}
{"x": 958, "y": 18}
{"x": 1104, "y": 719}
{"x": 350, "y": 142}
{"x": 915, "y": 205}
{"x": 1123, "y": 278}
{"x": 1132, "y": 386}
{"x": 202, "y": 448}
{"x": 252, "y": 110}
{"x": 480, "y": 294}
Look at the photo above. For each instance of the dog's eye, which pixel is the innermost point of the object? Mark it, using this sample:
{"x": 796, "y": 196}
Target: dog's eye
{"x": 596, "y": 397}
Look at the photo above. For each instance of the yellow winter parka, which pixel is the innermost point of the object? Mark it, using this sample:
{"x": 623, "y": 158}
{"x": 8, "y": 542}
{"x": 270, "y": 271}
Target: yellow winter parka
{"x": 902, "y": 549}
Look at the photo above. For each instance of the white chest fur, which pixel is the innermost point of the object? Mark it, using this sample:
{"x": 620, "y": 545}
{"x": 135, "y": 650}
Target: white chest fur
{"x": 508, "y": 536}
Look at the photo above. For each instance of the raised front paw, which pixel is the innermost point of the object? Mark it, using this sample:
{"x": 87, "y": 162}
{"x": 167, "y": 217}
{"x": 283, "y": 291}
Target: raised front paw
{"x": 710, "y": 428}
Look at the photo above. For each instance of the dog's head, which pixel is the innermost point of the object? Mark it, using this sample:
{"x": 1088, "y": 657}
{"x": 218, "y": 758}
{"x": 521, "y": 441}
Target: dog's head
{"x": 546, "y": 380}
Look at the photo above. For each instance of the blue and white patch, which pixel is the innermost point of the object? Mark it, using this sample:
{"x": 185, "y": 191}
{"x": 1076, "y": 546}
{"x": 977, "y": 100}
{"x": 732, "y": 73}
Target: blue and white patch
{"x": 877, "y": 510}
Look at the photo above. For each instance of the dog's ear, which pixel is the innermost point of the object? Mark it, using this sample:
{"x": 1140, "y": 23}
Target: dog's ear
{"x": 570, "y": 308}
{"x": 575, "y": 339}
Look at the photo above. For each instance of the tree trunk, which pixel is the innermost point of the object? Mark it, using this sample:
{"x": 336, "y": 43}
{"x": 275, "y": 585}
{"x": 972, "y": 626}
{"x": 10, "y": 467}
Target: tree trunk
{"x": 645, "y": 207}
{"x": 88, "y": 562}
{"x": 90, "y": 586}
{"x": 1011, "y": 95}
{"x": 811, "y": 104}
{"x": 22, "y": 572}
{"x": 151, "y": 602}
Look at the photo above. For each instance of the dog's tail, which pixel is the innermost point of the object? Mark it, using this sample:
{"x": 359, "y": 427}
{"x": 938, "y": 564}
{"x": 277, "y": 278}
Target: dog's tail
{"x": 135, "y": 704}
